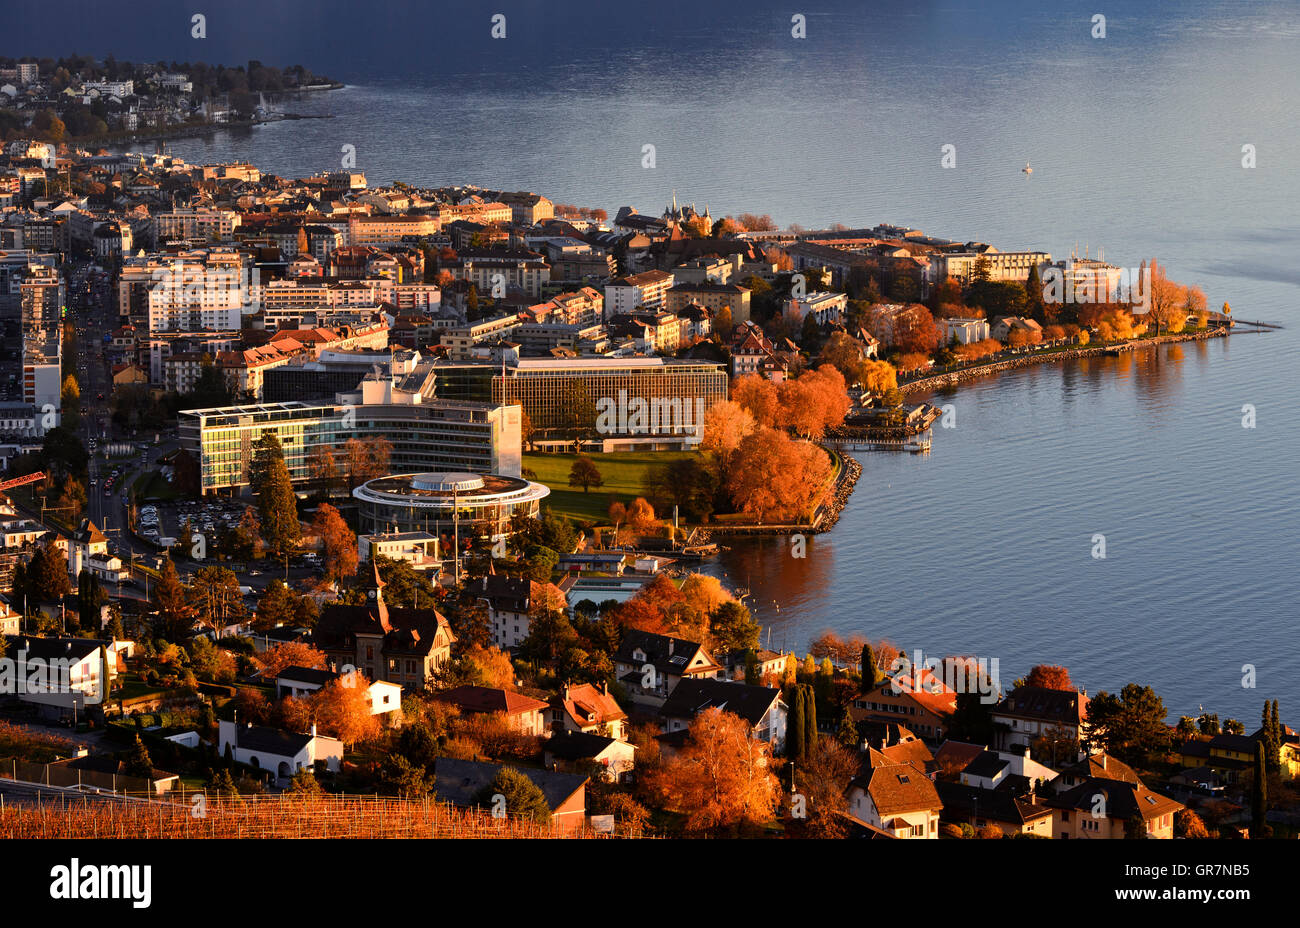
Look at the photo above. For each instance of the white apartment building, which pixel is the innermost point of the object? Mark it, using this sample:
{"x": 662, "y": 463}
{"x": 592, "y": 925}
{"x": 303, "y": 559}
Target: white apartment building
{"x": 648, "y": 289}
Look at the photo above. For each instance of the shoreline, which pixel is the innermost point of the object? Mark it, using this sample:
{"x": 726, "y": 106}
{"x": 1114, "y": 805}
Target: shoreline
{"x": 957, "y": 377}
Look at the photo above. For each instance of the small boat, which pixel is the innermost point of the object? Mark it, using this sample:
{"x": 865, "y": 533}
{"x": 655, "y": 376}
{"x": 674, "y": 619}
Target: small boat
{"x": 917, "y": 446}
{"x": 1026, "y": 169}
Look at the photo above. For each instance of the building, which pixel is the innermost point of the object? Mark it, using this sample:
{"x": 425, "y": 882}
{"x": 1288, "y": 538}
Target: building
{"x": 419, "y": 549}
{"x": 923, "y": 707}
{"x": 464, "y": 782}
{"x": 896, "y": 798}
{"x": 760, "y": 706}
{"x": 981, "y": 807}
{"x": 496, "y": 271}
{"x": 586, "y": 708}
{"x": 712, "y": 296}
{"x": 525, "y": 715}
{"x": 964, "y": 331}
{"x": 1001, "y": 265}
{"x": 612, "y": 404}
{"x": 425, "y": 436}
{"x": 648, "y": 289}
{"x": 42, "y": 300}
{"x": 651, "y": 666}
{"x": 202, "y": 223}
{"x": 447, "y": 502}
{"x": 577, "y": 751}
{"x": 1029, "y": 713}
{"x": 59, "y": 676}
{"x": 280, "y": 753}
{"x": 1109, "y": 802}
{"x": 404, "y": 646}
{"x": 509, "y": 602}
{"x": 825, "y": 307}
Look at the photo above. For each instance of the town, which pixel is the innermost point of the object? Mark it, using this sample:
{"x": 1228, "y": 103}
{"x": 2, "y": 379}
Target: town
{"x": 385, "y": 510}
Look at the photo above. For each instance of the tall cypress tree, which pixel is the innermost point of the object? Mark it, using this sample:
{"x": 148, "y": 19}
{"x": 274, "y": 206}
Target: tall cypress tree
{"x": 810, "y": 722}
{"x": 869, "y": 676}
{"x": 277, "y": 507}
{"x": 794, "y": 740}
{"x": 1259, "y": 794}
{"x": 1277, "y": 738}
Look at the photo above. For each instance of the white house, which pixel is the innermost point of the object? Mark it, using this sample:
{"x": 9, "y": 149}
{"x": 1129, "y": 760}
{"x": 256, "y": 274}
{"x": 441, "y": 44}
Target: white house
{"x": 897, "y": 798}
{"x": 281, "y": 753}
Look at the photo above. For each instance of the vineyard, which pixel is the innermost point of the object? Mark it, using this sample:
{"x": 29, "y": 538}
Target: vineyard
{"x": 209, "y": 816}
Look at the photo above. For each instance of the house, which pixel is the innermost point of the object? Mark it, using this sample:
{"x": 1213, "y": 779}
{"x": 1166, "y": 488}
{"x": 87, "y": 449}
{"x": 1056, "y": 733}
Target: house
{"x": 896, "y": 798}
{"x": 980, "y": 806}
{"x": 10, "y": 621}
{"x": 87, "y": 541}
{"x": 994, "y": 769}
{"x": 463, "y": 782}
{"x": 770, "y": 664}
{"x": 525, "y": 714}
{"x": 921, "y": 701}
{"x": 573, "y": 751}
{"x": 589, "y": 709}
{"x": 509, "y": 601}
{"x": 299, "y": 682}
{"x": 399, "y": 645}
{"x": 1003, "y": 326}
{"x": 59, "y": 676}
{"x": 890, "y": 743}
{"x": 1103, "y": 808}
{"x": 650, "y": 666}
{"x": 760, "y": 706}
{"x": 280, "y": 753}
{"x": 1031, "y": 712}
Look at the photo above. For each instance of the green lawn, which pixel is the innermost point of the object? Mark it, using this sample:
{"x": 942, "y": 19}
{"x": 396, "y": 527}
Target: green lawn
{"x": 624, "y": 476}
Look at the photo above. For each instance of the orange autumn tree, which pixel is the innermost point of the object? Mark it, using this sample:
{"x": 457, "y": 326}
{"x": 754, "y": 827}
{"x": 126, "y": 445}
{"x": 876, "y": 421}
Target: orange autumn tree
{"x": 341, "y": 709}
{"x": 725, "y": 425}
{"x": 338, "y": 542}
{"x": 778, "y": 478}
{"x": 289, "y": 654}
{"x": 720, "y": 779}
{"x": 493, "y": 665}
{"x": 758, "y": 396}
{"x": 1050, "y": 677}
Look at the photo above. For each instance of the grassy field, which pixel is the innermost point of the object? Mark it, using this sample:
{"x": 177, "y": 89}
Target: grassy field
{"x": 624, "y": 475}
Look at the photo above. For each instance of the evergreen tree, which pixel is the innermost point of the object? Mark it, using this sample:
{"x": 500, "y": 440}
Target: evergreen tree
{"x": 752, "y": 675}
{"x": 277, "y": 507}
{"x": 90, "y": 599}
{"x": 848, "y": 731}
{"x": 1276, "y": 725}
{"x": 869, "y": 674}
{"x": 1259, "y": 794}
{"x": 522, "y": 796}
{"x": 809, "y": 721}
{"x": 794, "y": 738}
{"x": 139, "y": 764}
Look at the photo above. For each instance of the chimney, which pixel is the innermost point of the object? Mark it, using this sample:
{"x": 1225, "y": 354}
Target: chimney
{"x": 1103, "y": 761}
{"x": 1026, "y": 749}
{"x": 671, "y": 644}
{"x": 313, "y": 729}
